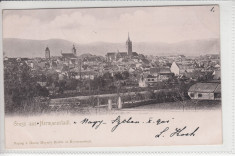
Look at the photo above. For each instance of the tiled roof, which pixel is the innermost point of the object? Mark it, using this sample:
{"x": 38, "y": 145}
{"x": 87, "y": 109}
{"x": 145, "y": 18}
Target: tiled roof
{"x": 204, "y": 87}
{"x": 134, "y": 54}
{"x": 150, "y": 76}
{"x": 145, "y": 61}
{"x": 160, "y": 70}
{"x": 218, "y": 89}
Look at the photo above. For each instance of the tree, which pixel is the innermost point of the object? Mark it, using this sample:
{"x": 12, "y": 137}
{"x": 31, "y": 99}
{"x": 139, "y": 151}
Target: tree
{"x": 52, "y": 77}
{"x": 42, "y": 91}
{"x": 20, "y": 86}
{"x": 195, "y": 102}
{"x": 71, "y": 84}
{"x": 118, "y": 76}
{"x": 180, "y": 97}
{"x": 125, "y": 75}
{"x": 61, "y": 86}
{"x": 97, "y": 83}
{"x": 107, "y": 76}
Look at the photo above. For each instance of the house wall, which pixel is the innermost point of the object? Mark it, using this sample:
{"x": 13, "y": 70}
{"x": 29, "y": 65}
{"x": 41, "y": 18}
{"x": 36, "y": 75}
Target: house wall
{"x": 201, "y": 96}
{"x": 154, "y": 73}
{"x": 142, "y": 83}
{"x": 150, "y": 80}
{"x": 164, "y": 77}
{"x": 175, "y": 69}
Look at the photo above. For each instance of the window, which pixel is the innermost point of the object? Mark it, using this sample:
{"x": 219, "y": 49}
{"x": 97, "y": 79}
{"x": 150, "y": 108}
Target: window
{"x": 217, "y": 95}
{"x": 152, "y": 79}
{"x": 199, "y": 95}
{"x": 191, "y": 94}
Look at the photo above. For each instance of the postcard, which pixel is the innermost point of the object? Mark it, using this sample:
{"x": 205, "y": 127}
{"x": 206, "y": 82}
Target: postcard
{"x": 112, "y": 77}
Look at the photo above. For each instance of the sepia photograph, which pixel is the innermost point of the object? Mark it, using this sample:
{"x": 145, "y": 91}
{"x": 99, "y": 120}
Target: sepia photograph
{"x": 101, "y": 59}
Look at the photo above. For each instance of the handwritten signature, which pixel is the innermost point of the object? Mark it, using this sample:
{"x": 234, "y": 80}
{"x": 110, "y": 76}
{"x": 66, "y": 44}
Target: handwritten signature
{"x": 118, "y": 121}
{"x": 178, "y": 132}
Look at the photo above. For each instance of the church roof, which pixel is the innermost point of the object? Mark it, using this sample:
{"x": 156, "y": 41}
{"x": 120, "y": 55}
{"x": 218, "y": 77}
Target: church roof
{"x": 134, "y": 54}
{"x": 122, "y": 53}
{"x": 68, "y": 55}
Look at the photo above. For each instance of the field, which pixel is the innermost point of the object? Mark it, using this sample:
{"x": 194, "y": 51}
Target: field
{"x": 189, "y": 105}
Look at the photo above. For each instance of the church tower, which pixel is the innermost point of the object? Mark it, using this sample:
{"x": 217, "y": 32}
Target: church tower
{"x": 47, "y": 53}
{"x": 129, "y": 46}
{"x": 74, "y": 50}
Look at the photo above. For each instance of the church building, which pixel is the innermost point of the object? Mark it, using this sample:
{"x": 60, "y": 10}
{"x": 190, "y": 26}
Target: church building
{"x": 114, "y": 56}
{"x": 70, "y": 58}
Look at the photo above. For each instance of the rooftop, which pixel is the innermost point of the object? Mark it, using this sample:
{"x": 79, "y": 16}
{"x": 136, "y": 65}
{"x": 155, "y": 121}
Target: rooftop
{"x": 68, "y": 55}
{"x": 205, "y": 88}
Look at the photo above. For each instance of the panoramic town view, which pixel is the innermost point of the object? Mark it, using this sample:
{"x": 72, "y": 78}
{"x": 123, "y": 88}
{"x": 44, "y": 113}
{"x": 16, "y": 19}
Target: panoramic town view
{"x": 79, "y": 81}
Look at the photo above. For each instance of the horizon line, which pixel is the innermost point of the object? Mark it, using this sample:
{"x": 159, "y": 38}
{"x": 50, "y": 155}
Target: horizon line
{"x": 112, "y": 42}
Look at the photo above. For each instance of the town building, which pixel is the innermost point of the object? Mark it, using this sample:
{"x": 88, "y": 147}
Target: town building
{"x": 115, "y": 56}
{"x": 180, "y": 69}
{"x": 216, "y": 75}
{"x": 155, "y": 75}
{"x": 205, "y": 91}
{"x": 160, "y": 71}
{"x": 175, "y": 69}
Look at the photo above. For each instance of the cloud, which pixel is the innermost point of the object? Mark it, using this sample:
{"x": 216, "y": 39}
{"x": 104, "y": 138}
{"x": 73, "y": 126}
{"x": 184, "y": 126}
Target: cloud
{"x": 147, "y": 24}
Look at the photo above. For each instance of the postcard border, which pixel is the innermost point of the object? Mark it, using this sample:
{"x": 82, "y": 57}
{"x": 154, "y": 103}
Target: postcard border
{"x": 227, "y": 17}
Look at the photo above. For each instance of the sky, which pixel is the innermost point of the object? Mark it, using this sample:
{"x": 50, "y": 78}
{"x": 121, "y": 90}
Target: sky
{"x": 85, "y": 25}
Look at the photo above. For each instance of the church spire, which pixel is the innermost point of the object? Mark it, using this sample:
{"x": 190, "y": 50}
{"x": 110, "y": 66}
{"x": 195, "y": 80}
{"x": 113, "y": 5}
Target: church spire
{"x": 129, "y": 46}
{"x": 128, "y": 37}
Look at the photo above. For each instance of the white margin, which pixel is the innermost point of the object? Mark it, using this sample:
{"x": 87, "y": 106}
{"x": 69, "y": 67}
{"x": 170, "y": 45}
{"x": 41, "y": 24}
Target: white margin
{"x": 227, "y": 21}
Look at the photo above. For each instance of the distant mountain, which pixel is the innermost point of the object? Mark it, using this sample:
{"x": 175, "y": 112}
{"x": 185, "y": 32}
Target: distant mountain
{"x": 14, "y": 47}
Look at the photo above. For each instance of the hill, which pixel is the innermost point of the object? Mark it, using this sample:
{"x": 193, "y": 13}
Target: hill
{"x": 14, "y": 47}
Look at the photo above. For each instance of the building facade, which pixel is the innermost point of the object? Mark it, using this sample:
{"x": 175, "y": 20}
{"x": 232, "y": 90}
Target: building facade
{"x": 205, "y": 91}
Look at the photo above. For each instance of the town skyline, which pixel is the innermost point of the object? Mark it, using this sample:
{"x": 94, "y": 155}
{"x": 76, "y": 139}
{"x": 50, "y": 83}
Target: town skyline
{"x": 36, "y": 48}
{"x": 118, "y": 58}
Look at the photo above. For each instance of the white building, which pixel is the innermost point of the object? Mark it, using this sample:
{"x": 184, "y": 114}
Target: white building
{"x": 142, "y": 82}
{"x": 205, "y": 91}
{"x": 179, "y": 69}
{"x": 175, "y": 69}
